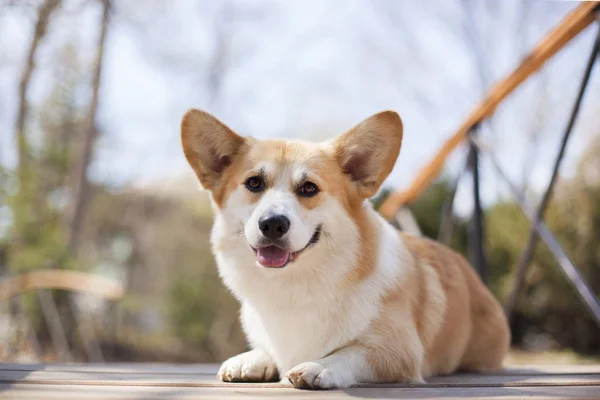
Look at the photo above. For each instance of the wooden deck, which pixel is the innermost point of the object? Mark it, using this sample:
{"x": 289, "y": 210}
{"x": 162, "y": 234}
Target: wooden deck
{"x": 162, "y": 381}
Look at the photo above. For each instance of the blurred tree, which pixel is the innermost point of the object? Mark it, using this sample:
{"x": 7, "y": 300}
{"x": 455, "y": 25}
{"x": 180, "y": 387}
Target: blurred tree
{"x": 81, "y": 185}
{"x": 208, "y": 63}
{"x": 549, "y": 312}
{"x": 45, "y": 11}
{"x": 428, "y": 213}
{"x": 36, "y": 238}
{"x": 38, "y": 192}
{"x": 23, "y": 206}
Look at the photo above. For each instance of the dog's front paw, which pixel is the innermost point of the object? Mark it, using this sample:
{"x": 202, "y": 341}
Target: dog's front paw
{"x": 253, "y": 366}
{"x": 312, "y": 375}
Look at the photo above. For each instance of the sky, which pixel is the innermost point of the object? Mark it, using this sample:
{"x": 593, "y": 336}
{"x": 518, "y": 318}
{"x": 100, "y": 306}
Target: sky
{"x": 311, "y": 70}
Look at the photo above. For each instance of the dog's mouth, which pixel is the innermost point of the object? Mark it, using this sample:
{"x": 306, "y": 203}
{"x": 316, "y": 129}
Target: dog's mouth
{"x": 273, "y": 256}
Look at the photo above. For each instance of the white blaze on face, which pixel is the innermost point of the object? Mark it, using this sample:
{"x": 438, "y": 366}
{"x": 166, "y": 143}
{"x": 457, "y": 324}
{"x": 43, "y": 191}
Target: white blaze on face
{"x": 280, "y": 199}
{"x": 240, "y": 216}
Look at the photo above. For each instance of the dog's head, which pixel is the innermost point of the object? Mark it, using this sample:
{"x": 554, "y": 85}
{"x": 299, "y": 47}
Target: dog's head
{"x": 282, "y": 196}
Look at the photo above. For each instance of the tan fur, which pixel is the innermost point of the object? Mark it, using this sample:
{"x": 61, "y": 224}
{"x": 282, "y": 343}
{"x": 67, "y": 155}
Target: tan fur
{"x": 368, "y": 247}
{"x": 372, "y": 148}
{"x": 439, "y": 313}
{"x": 436, "y": 318}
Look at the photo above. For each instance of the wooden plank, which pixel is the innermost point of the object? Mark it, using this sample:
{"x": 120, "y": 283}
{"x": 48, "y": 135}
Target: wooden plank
{"x": 569, "y": 28}
{"x": 61, "y": 279}
{"x": 158, "y": 368}
{"x": 158, "y": 381}
{"x": 550, "y": 369}
{"x": 214, "y": 367}
{"x": 203, "y": 368}
{"x": 61, "y": 392}
{"x": 201, "y": 380}
{"x": 204, "y": 378}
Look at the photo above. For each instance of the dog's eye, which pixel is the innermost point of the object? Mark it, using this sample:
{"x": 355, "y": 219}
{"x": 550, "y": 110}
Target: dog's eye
{"x": 255, "y": 184}
{"x": 308, "y": 189}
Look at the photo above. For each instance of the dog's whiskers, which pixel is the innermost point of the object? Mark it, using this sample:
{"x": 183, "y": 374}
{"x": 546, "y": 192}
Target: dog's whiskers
{"x": 239, "y": 232}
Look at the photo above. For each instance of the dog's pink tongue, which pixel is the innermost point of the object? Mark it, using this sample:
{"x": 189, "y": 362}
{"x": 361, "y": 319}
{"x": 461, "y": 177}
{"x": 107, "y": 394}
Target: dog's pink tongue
{"x": 272, "y": 256}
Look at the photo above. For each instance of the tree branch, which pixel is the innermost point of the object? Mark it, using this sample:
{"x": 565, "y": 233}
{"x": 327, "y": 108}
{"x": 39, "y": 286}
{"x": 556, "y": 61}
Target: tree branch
{"x": 41, "y": 27}
{"x": 81, "y": 187}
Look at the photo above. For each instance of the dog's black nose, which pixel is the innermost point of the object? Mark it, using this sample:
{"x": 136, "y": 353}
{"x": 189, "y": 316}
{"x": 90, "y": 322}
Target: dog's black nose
{"x": 274, "y": 226}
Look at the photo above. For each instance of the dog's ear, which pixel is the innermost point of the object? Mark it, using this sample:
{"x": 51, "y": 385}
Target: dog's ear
{"x": 209, "y": 146}
{"x": 367, "y": 153}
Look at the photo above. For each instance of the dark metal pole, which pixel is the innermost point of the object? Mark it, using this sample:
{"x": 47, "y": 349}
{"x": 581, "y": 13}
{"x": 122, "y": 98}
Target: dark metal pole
{"x": 476, "y": 229}
{"x": 567, "y": 266}
{"x": 447, "y": 222}
{"x": 527, "y": 254}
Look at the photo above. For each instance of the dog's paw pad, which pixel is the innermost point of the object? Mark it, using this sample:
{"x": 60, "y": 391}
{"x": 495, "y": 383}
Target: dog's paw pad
{"x": 248, "y": 367}
{"x": 230, "y": 370}
{"x": 311, "y": 375}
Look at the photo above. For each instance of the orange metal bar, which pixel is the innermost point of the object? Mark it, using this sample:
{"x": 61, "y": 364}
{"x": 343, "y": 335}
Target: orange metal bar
{"x": 569, "y": 28}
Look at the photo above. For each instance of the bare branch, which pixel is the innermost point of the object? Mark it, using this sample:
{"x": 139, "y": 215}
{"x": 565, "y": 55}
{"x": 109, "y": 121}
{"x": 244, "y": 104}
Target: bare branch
{"x": 81, "y": 190}
{"x": 41, "y": 26}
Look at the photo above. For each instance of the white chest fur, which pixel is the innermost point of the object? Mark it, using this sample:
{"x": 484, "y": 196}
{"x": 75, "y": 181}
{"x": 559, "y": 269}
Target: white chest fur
{"x": 307, "y": 310}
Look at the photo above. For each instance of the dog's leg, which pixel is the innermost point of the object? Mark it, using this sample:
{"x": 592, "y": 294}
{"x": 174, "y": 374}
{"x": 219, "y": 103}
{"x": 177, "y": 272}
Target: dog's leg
{"x": 350, "y": 366}
{"x": 344, "y": 368}
{"x": 253, "y": 366}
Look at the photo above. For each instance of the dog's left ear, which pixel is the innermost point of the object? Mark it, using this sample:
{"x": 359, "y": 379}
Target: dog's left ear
{"x": 367, "y": 153}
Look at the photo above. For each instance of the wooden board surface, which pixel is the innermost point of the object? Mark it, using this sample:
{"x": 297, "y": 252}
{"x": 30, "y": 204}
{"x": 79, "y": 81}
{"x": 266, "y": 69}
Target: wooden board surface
{"x": 167, "y": 381}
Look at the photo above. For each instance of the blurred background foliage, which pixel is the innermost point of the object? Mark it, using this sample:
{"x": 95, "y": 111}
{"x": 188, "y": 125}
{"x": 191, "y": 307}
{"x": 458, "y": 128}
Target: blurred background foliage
{"x": 154, "y": 237}
{"x": 549, "y": 313}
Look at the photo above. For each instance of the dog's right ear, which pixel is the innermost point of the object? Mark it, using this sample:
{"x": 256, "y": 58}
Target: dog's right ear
{"x": 209, "y": 146}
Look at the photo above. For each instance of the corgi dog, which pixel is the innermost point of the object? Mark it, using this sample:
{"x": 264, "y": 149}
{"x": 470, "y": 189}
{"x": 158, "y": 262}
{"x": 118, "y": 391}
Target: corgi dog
{"x": 331, "y": 294}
